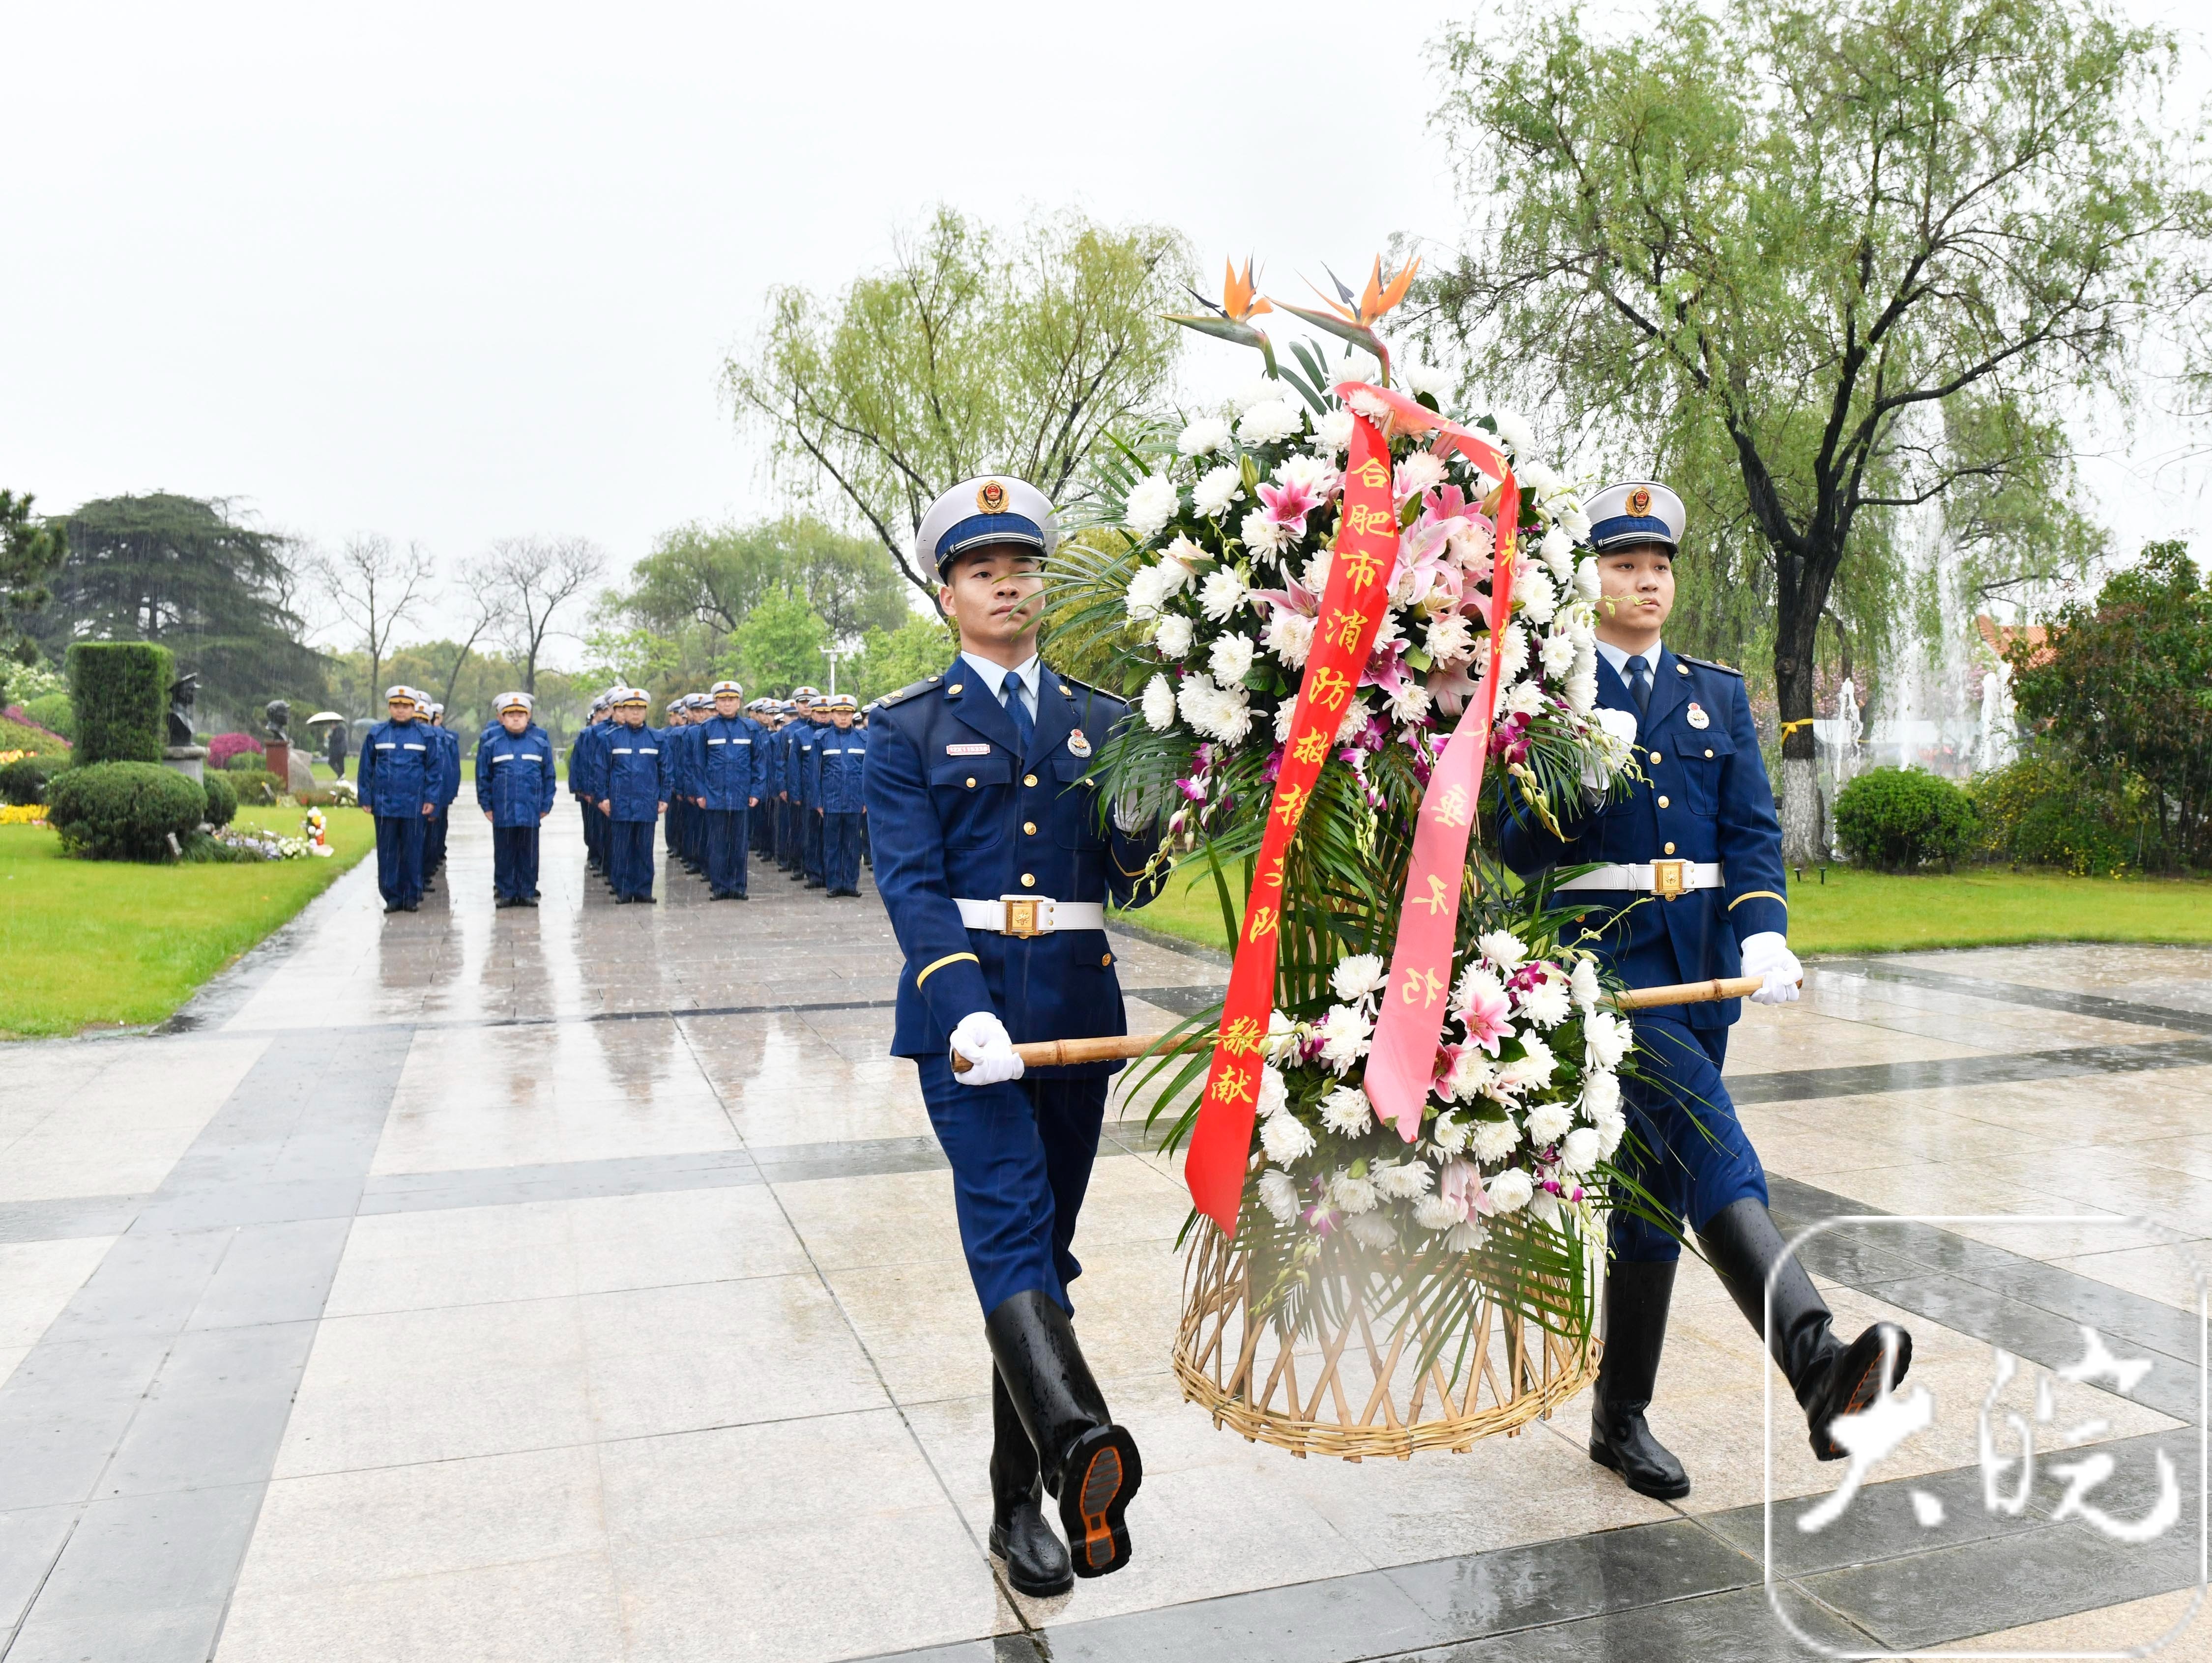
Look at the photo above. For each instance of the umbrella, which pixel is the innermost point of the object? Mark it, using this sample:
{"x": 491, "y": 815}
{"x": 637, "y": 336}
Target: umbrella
{"x": 325, "y": 716}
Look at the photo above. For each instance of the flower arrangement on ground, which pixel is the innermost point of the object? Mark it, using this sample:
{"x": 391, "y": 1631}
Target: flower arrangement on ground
{"x": 1494, "y": 1175}
{"x": 314, "y": 828}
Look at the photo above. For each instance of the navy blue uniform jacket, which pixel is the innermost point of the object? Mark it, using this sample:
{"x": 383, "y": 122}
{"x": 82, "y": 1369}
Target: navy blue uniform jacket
{"x": 840, "y": 765}
{"x": 640, "y": 768}
{"x": 402, "y": 769}
{"x": 514, "y": 775}
{"x": 1717, "y": 805}
{"x": 731, "y": 762}
{"x": 957, "y": 811}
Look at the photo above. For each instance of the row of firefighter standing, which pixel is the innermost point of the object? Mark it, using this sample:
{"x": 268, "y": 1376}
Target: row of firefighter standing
{"x": 781, "y": 778}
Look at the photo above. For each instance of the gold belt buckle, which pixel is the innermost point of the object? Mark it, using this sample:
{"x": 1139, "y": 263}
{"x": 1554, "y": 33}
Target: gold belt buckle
{"x": 1669, "y": 878}
{"x": 1022, "y": 917}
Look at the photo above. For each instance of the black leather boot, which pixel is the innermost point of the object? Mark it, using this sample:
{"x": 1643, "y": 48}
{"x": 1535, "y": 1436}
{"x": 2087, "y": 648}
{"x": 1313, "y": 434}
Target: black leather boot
{"x": 1827, "y": 1377}
{"x": 1088, "y": 1462}
{"x": 1036, "y": 1564}
{"x": 1636, "y": 1293}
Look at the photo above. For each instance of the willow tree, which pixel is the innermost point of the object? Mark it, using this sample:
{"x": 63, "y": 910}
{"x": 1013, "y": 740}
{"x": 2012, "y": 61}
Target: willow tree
{"x": 1842, "y": 261}
{"x": 974, "y": 351}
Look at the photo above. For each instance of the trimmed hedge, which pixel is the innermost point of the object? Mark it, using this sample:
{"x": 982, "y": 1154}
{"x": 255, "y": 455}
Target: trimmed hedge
{"x": 1898, "y": 819}
{"x": 51, "y": 711}
{"x": 221, "y": 799}
{"x": 24, "y": 780}
{"x": 239, "y": 762}
{"x": 123, "y": 810}
{"x": 120, "y": 692}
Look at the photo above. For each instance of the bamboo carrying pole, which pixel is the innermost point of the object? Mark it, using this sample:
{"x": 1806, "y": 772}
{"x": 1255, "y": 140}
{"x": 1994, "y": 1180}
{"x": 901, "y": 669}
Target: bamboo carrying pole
{"x": 1117, "y": 1047}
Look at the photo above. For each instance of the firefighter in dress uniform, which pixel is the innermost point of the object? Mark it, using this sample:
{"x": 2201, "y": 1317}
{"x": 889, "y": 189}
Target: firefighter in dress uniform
{"x": 995, "y": 862}
{"x": 1688, "y": 885}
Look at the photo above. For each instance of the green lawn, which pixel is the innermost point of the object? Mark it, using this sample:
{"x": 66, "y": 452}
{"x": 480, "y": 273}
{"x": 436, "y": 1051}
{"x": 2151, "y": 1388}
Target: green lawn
{"x": 100, "y": 943}
{"x": 1856, "y": 912}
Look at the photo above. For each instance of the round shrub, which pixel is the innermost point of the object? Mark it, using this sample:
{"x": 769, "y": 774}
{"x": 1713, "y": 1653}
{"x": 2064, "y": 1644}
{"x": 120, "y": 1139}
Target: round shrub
{"x": 221, "y": 799}
{"x": 239, "y": 762}
{"x": 256, "y": 785}
{"x": 1898, "y": 819}
{"x": 51, "y": 711}
{"x": 24, "y": 780}
{"x": 236, "y": 751}
{"x": 123, "y": 810}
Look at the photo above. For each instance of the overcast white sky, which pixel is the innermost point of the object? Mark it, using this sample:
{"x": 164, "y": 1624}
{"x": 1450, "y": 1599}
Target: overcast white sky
{"x": 455, "y": 272}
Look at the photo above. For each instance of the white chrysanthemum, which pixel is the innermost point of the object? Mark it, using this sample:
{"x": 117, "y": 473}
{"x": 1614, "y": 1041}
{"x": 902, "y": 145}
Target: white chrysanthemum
{"x": 1532, "y": 1069}
{"x": 1372, "y": 1230}
{"x": 1223, "y": 713}
{"x": 1534, "y": 596}
{"x": 1287, "y": 1138}
{"x": 1282, "y": 1033}
{"x": 1588, "y": 584}
{"x": 1152, "y": 504}
{"x": 1548, "y": 1122}
{"x": 1557, "y": 551}
{"x": 1369, "y": 405}
{"x": 1475, "y": 982}
{"x": 1274, "y": 1095}
{"x": 1279, "y": 1194}
{"x": 1231, "y": 658}
{"x": 1492, "y": 1141}
{"x": 1546, "y": 1004}
{"x": 1286, "y": 714}
{"x": 1449, "y": 1133}
{"x": 1410, "y": 703}
{"x": 1525, "y": 698}
{"x": 1421, "y": 472}
{"x": 1467, "y": 1236}
{"x": 1449, "y": 640}
{"x": 1575, "y": 522}
{"x": 1221, "y": 594}
{"x": 1344, "y": 1034}
{"x": 1265, "y": 391}
{"x": 1152, "y": 585}
{"x": 1425, "y": 378}
{"x": 1353, "y": 978}
{"x": 1347, "y": 1111}
{"x": 1216, "y": 489}
{"x": 1261, "y": 535}
{"x": 1435, "y": 1213}
{"x": 1582, "y": 692}
{"x": 1582, "y": 980}
{"x": 1314, "y": 578}
{"x": 1606, "y": 1038}
{"x": 1601, "y": 1094}
{"x": 1333, "y": 432}
{"x": 1509, "y": 1191}
{"x": 1352, "y": 1195}
{"x": 1289, "y": 636}
{"x": 1271, "y": 423}
{"x": 1310, "y": 472}
{"x": 1354, "y": 721}
{"x": 1159, "y": 704}
{"x": 1539, "y": 478}
{"x": 1503, "y": 949}
{"x": 1472, "y": 1074}
{"x": 1557, "y": 655}
{"x": 1513, "y": 427}
{"x": 1580, "y": 1151}
{"x": 1544, "y": 1207}
{"x": 1401, "y": 1180}
{"x": 1174, "y": 635}
{"x": 1513, "y": 654}
{"x": 1208, "y": 434}
{"x": 1610, "y": 1129}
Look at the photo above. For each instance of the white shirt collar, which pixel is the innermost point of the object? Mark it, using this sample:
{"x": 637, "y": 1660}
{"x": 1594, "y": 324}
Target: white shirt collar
{"x": 1618, "y": 656}
{"x": 994, "y": 676}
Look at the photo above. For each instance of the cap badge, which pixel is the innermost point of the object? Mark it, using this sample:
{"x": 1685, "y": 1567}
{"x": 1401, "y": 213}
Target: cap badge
{"x": 1697, "y": 715}
{"x": 992, "y": 497}
{"x": 1639, "y": 501}
{"x": 1077, "y": 745}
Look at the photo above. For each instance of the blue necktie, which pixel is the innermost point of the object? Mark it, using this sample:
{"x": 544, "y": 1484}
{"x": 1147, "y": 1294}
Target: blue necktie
{"x": 1018, "y": 708}
{"x": 1639, "y": 682}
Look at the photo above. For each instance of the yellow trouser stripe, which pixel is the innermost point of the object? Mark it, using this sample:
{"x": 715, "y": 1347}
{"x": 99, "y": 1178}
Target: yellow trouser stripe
{"x": 950, "y": 958}
{"x": 1753, "y": 894}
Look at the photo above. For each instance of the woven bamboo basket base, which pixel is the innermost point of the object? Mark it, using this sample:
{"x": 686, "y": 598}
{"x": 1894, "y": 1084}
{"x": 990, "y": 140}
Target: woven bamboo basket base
{"x": 1356, "y": 1390}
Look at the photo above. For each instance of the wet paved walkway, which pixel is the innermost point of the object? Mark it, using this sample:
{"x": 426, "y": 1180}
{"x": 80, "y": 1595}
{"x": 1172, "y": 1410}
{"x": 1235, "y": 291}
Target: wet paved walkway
{"x": 583, "y": 1284}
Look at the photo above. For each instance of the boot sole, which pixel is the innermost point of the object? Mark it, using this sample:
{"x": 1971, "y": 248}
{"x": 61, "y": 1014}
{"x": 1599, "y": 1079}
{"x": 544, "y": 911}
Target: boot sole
{"x": 1103, "y": 1471}
{"x": 1034, "y": 1590}
{"x": 1604, "y": 1457}
{"x": 1864, "y": 1390}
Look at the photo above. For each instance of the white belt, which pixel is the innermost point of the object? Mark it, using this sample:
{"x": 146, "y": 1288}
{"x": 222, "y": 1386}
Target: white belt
{"x": 1031, "y": 914}
{"x": 1660, "y": 877}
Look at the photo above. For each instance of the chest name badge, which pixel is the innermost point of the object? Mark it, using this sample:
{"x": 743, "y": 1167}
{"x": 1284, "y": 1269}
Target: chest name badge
{"x": 1697, "y": 715}
{"x": 1077, "y": 745}
{"x": 967, "y": 750}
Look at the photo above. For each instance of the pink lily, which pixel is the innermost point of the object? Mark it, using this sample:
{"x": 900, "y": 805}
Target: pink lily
{"x": 1425, "y": 569}
{"x": 1293, "y": 594}
{"x": 1451, "y": 689}
{"x": 1289, "y": 504}
{"x": 1459, "y": 1184}
{"x": 1485, "y": 1015}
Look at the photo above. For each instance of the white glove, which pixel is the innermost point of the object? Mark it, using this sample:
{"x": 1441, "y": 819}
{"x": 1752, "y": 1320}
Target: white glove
{"x": 1767, "y": 956}
{"x": 1597, "y": 774}
{"x": 982, "y": 1038}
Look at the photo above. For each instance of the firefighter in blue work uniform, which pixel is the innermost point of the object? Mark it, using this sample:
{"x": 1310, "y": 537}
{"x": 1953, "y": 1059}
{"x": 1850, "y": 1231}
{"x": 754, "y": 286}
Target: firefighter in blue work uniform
{"x": 756, "y": 822}
{"x": 698, "y": 711}
{"x": 674, "y": 719}
{"x": 797, "y": 759}
{"x": 516, "y": 790}
{"x": 995, "y": 860}
{"x": 397, "y": 782}
{"x": 637, "y": 783}
{"x": 588, "y": 737}
{"x": 729, "y": 747}
{"x": 1688, "y": 886}
{"x": 840, "y": 761}
{"x": 449, "y": 787}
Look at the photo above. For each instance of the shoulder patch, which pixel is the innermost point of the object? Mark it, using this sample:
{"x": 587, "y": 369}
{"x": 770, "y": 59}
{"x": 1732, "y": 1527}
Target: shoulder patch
{"x": 906, "y": 692}
{"x": 1710, "y": 664}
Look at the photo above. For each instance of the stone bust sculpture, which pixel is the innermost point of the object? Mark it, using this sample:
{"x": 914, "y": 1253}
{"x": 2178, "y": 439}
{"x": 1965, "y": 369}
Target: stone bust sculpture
{"x": 278, "y": 712}
{"x": 182, "y": 692}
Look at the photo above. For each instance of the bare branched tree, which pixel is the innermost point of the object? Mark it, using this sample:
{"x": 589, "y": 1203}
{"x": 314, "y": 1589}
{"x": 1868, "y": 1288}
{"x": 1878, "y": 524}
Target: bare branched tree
{"x": 536, "y": 579}
{"x": 374, "y": 588}
{"x": 476, "y": 606}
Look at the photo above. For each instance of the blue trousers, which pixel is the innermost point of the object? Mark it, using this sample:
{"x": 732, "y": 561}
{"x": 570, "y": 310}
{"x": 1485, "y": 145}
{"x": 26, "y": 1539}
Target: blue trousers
{"x": 840, "y": 849}
{"x": 811, "y": 832}
{"x": 629, "y": 856}
{"x": 399, "y": 857}
{"x": 595, "y": 833}
{"x": 1694, "y": 1158}
{"x": 787, "y": 856}
{"x": 728, "y": 843}
{"x": 514, "y": 861}
{"x": 434, "y": 843}
{"x": 1021, "y": 1154}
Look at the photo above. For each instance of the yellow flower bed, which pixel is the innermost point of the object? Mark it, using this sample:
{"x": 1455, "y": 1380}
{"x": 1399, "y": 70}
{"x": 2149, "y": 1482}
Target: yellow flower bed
{"x": 8, "y": 756}
{"x": 29, "y": 814}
